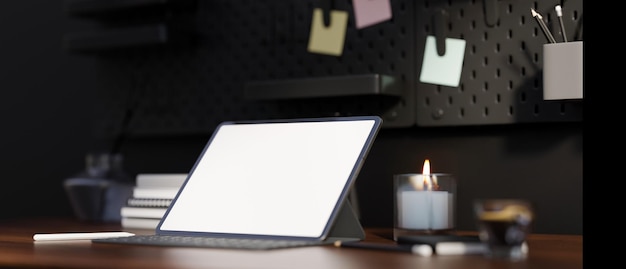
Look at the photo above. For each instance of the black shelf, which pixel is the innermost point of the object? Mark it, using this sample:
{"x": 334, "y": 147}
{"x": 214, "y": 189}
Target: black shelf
{"x": 102, "y": 8}
{"x": 108, "y": 39}
{"x": 353, "y": 85}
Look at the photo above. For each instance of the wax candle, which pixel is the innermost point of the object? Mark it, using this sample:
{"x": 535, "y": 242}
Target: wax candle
{"x": 421, "y": 203}
{"x": 424, "y": 209}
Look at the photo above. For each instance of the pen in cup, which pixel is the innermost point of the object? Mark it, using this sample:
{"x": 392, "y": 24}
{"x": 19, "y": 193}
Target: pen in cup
{"x": 559, "y": 14}
{"x": 542, "y": 25}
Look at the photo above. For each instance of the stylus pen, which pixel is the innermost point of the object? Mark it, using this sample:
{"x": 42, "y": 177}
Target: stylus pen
{"x": 460, "y": 248}
{"x": 421, "y": 250}
{"x": 79, "y": 236}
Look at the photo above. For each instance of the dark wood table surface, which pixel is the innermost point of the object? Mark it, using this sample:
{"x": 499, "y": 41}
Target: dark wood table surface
{"x": 18, "y": 250}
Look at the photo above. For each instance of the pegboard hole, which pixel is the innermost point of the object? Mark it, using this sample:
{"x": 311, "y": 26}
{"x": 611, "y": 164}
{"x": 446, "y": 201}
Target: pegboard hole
{"x": 536, "y": 110}
{"x": 402, "y": 7}
{"x": 536, "y": 84}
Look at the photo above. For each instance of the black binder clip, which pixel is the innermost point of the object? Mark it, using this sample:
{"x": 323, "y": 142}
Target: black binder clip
{"x": 440, "y": 20}
{"x": 327, "y": 6}
{"x": 491, "y": 12}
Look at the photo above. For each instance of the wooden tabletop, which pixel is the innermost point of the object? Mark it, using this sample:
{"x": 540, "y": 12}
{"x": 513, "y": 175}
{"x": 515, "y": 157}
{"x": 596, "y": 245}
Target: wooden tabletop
{"x": 18, "y": 250}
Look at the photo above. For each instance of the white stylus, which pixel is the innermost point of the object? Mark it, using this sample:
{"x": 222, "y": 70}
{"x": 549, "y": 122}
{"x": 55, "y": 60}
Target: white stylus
{"x": 79, "y": 236}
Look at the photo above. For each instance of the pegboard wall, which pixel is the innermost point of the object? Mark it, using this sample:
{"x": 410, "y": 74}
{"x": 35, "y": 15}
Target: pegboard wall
{"x": 189, "y": 87}
{"x": 501, "y": 81}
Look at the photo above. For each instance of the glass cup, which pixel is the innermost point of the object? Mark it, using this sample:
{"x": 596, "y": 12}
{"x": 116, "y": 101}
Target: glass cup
{"x": 423, "y": 204}
{"x": 504, "y": 224}
{"x": 99, "y": 191}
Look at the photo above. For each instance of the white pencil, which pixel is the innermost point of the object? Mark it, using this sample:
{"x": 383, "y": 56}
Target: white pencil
{"x": 79, "y": 236}
{"x": 543, "y": 26}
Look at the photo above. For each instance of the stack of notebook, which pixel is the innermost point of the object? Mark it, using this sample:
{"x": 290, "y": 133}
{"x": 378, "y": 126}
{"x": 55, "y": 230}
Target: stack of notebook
{"x": 151, "y": 197}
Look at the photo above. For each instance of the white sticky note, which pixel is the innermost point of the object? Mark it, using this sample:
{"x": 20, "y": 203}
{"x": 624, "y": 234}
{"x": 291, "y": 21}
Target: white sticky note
{"x": 443, "y": 70}
{"x": 370, "y": 12}
{"x": 328, "y": 40}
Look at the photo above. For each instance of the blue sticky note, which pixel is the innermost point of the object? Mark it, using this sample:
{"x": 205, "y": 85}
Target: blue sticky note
{"x": 443, "y": 70}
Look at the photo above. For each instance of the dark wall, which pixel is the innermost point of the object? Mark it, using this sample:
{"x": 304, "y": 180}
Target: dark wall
{"x": 46, "y": 100}
{"x": 539, "y": 162}
{"x": 50, "y": 100}
{"x": 542, "y": 163}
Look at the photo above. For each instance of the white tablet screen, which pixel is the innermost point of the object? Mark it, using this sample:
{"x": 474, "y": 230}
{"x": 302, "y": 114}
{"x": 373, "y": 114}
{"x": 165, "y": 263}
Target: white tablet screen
{"x": 275, "y": 178}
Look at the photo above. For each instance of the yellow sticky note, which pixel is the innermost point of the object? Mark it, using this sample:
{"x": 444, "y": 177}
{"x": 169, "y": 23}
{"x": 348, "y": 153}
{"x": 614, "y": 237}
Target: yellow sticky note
{"x": 328, "y": 40}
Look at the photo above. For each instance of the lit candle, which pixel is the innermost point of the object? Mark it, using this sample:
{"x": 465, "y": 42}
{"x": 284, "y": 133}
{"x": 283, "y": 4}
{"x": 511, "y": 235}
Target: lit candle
{"x": 424, "y": 206}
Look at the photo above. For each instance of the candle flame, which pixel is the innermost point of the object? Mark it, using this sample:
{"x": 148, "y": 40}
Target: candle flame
{"x": 426, "y": 168}
{"x": 423, "y": 180}
{"x": 430, "y": 181}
